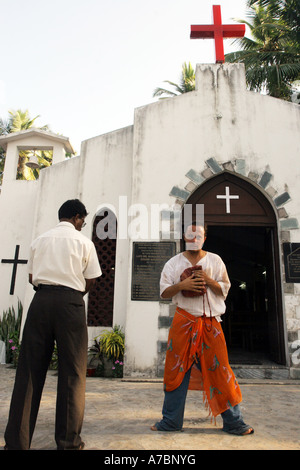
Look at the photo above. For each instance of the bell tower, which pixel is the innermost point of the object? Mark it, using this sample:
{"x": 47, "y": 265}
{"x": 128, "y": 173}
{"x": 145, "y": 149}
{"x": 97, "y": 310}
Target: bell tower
{"x": 31, "y": 140}
{"x": 18, "y": 205}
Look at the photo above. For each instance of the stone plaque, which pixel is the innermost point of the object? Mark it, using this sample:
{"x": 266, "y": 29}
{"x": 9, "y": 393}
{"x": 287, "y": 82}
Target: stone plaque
{"x": 291, "y": 253}
{"x": 148, "y": 259}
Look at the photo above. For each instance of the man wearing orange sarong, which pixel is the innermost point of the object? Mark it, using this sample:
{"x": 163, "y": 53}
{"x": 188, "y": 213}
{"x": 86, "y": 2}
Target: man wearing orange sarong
{"x": 196, "y": 357}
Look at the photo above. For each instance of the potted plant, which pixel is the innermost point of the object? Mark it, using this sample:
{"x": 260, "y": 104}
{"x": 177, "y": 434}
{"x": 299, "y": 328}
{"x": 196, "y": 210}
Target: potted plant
{"x": 95, "y": 360}
{"x": 117, "y": 368}
{"x": 10, "y": 326}
{"x": 112, "y": 343}
{"x": 108, "y": 350}
{"x": 15, "y": 350}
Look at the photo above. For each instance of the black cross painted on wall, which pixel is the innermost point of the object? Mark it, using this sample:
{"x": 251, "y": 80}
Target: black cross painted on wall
{"x": 15, "y": 263}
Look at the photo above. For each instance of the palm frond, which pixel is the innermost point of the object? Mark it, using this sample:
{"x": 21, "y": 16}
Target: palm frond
{"x": 177, "y": 87}
{"x": 272, "y": 55}
{"x": 187, "y": 83}
{"x": 163, "y": 91}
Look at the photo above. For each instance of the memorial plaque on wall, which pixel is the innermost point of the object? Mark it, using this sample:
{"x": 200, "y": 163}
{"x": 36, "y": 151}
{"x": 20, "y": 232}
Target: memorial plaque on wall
{"x": 148, "y": 259}
{"x": 291, "y": 253}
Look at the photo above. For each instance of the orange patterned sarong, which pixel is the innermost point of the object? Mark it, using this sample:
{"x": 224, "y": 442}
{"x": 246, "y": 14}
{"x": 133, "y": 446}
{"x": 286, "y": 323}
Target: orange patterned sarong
{"x": 201, "y": 339}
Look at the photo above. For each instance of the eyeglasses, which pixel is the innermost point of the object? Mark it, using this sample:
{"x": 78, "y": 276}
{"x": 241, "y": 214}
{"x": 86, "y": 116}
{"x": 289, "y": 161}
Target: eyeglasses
{"x": 84, "y": 223}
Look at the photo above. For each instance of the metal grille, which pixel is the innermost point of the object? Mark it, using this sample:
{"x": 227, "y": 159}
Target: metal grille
{"x": 101, "y": 296}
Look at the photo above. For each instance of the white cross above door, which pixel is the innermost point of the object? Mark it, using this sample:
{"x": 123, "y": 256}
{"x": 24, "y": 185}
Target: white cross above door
{"x": 227, "y": 196}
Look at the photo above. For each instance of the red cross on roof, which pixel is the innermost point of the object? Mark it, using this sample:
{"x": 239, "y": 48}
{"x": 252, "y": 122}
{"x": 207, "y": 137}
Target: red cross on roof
{"x": 218, "y": 31}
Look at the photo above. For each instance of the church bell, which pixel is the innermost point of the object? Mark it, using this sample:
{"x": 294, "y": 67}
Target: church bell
{"x": 33, "y": 161}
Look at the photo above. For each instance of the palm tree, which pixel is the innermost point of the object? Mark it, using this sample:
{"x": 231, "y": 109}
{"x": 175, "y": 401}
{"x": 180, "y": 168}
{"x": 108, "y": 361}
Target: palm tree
{"x": 291, "y": 16}
{"x": 5, "y": 126}
{"x": 21, "y": 121}
{"x": 288, "y": 11}
{"x": 187, "y": 83}
{"x": 44, "y": 158}
{"x": 272, "y": 56}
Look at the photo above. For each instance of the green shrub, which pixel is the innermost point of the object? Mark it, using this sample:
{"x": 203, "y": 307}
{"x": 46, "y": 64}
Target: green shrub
{"x": 10, "y": 327}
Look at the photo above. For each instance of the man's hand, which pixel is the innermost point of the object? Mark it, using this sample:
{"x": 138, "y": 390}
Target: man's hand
{"x": 211, "y": 283}
{"x": 88, "y": 285}
{"x": 194, "y": 283}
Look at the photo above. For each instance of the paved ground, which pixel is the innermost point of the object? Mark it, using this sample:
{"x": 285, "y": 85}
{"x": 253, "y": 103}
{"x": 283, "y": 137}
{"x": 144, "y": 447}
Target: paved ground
{"x": 119, "y": 415}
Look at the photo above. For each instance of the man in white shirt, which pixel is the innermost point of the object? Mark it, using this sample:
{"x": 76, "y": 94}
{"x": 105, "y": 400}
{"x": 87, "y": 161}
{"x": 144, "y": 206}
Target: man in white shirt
{"x": 63, "y": 265}
{"x": 196, "y": 355}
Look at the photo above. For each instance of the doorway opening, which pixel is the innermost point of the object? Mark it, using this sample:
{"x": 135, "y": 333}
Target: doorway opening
{"x": 248, "y": 321}
{"x": 242, "y": 230}
{"x": 101, "y": 295}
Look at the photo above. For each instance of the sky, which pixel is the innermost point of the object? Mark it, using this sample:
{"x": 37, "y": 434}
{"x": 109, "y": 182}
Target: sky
{"x": 84, "y": 66}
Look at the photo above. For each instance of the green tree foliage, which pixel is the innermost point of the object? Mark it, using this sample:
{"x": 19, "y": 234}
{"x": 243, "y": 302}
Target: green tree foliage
{"x": 187, "y": 83}
{"x": 272, "y": 54}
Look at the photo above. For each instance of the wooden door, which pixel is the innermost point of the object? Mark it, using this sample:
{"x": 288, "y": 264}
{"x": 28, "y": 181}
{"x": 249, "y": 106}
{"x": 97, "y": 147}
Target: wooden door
{"x": 101, "y": 296}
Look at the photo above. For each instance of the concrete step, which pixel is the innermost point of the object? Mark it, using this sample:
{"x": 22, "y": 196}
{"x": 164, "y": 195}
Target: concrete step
{"x": 260, "y": 372}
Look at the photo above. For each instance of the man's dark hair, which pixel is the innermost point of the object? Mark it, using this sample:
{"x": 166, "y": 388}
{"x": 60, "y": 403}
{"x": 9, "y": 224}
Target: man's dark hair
{"x": 71, "y": 208}
{"x": 201, "y": 224}
{"x": 196, "y": 223}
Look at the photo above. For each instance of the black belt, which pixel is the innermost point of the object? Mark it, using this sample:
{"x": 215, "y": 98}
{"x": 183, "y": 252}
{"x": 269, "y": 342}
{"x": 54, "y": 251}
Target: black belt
{"x": 50, "y": 287}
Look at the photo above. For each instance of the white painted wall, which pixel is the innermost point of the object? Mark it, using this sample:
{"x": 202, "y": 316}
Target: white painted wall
{"x": 142, "y": 163}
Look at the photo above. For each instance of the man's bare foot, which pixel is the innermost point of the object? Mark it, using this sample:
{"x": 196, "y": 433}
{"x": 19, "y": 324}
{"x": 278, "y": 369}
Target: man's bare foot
{"x": 249, "y": 431}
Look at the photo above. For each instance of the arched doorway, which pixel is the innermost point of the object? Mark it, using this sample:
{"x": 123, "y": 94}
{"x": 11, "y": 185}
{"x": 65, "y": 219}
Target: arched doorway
{"x": 101, "y": 296}
{"x": 242, "y": 229}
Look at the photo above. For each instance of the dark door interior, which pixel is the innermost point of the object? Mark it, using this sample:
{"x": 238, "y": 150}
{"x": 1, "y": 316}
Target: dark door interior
{"x": 250, "y": 324}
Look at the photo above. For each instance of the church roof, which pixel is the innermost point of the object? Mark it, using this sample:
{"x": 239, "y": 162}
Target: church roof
{"x": 34, "y": 132}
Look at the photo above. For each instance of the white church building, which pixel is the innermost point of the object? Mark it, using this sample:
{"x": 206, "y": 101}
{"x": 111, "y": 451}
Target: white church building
{"x": 233, "y": 153}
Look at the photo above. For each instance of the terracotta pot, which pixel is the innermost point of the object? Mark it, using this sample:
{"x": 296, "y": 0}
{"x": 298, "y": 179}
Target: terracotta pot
{"x": 91, "y": 372}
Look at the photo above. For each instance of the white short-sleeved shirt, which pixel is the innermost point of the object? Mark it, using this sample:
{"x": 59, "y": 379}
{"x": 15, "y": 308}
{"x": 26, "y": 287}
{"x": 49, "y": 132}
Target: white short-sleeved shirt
{"x": 214, "y": 267}
{"x": 63, "y": 256}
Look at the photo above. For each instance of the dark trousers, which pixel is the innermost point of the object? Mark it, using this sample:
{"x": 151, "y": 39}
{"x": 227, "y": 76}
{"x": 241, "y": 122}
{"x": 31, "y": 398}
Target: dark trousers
{"x": 54, "y": 315}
